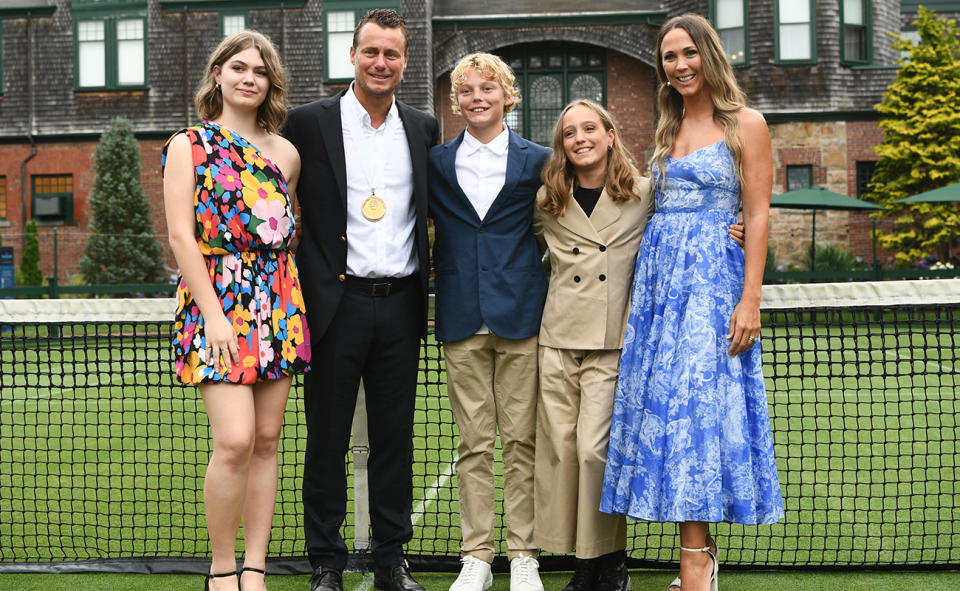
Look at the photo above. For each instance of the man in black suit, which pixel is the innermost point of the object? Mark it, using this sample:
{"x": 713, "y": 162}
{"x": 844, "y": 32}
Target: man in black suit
{"x": 363, "y": 268}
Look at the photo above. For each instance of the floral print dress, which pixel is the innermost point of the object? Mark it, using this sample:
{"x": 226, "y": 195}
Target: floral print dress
{"x": 690, "y": 438}
{"x": 244, "y": 222}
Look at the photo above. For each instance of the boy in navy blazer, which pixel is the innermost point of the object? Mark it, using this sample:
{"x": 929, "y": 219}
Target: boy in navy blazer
{"x": 490, "y": 288}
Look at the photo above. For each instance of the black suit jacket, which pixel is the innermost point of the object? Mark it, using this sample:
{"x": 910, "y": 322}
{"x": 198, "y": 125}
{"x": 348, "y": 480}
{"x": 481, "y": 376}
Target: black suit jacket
{"x": 315, "y": 130}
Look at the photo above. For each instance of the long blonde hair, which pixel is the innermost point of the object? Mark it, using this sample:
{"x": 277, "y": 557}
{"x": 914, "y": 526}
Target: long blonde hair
{"x": 273, "y": 110}
{"x": 725, "y": 93}
{"x": 558, "y": 174}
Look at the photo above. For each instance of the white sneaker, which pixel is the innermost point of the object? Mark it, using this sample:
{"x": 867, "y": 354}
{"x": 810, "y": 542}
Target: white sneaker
{"x": 474, "y": 575}
{"x": 525, "y": 574}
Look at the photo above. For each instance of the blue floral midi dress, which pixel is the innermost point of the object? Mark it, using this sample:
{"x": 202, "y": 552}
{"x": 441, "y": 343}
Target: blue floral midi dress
{"x": 690, "y": 438}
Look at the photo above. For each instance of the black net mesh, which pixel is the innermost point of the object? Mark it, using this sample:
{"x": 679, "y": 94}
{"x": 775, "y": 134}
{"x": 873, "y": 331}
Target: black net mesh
{"x": 102, "y": 454}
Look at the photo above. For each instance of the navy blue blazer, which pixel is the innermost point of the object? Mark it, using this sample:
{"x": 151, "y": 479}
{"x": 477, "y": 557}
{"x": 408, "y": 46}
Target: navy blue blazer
{"x": 487, "y": 270}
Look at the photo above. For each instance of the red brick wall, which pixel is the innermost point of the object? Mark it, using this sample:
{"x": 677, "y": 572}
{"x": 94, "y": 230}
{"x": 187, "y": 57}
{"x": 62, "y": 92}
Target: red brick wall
{"x": 799, "y": 156}
{"x": 76, "y": 159}
{"x": 450, "y": 124}
{"x": 862, "y": 136}
{"x": 631, "y": 87}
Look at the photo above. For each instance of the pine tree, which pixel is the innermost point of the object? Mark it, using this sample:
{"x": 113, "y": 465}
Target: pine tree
{"x": 30, "y": 261}
{"x": 122, "y": 247}
{"x": 920, "y": 115}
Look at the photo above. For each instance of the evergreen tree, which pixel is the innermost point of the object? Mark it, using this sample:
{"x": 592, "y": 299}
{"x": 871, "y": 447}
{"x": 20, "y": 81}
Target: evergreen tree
{"x": 920, "y": 115}
{"x": 122, "y": 247}
{"x": 30, "y": 261}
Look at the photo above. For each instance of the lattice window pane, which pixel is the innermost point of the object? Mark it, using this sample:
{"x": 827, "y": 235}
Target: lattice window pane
{"x": 586, "y": 86}
{"x": 546, "y": 101}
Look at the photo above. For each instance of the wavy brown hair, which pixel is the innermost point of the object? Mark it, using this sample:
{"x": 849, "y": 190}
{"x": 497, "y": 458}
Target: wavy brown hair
{"x": 725, "y": 93}
{"x": 273, "y": 110}
{"x": 558, "y": 174}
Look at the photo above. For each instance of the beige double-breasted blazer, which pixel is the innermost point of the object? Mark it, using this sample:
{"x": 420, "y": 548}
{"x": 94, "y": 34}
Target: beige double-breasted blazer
{"x": 592, "y": 260}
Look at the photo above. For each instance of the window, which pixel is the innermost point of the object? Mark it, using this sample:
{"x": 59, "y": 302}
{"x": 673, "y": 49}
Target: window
{"x": 3, "y": 197}
{"x": 339, "y": 19}
{"x": 232, "y": 23}
{"x": 799, "y": 177}
{"x": 864, "y": 175}
{"x": 795, "y": 31}
{"x": 549, "y": 76}
{"x": 855, "y": 34}
{"x": 729, "y": 17}
{"x": 111, "y": 47}
{"x": 53, "y": 198}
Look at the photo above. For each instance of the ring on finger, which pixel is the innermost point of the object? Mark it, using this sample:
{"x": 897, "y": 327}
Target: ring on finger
{"x": 752, "y": 339}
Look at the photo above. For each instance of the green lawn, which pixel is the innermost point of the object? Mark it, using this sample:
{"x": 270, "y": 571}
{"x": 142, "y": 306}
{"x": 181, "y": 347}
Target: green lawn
{"x": 641, "y": 581}
{"x": 102, "y": 456}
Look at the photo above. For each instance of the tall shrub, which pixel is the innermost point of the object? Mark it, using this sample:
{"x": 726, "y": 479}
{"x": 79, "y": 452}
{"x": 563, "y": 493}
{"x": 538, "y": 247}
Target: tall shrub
{"x": 122, "y": 246}
{"x": 920, "y": 116}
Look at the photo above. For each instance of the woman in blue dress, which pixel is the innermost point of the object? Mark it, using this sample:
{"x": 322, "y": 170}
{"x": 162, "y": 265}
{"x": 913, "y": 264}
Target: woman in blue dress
{"x": 690, "y": 438}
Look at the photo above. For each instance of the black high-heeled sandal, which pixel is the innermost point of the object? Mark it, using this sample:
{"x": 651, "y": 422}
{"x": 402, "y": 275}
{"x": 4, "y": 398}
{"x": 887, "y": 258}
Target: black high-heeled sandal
{"x": 206, "y": 580}
{"x": 251, "y": 569}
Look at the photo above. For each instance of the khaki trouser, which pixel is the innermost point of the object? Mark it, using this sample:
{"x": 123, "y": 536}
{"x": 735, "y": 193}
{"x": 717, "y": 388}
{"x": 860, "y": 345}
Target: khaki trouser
{"x": 573, "y": 429}
{"x": 492, "y": 383}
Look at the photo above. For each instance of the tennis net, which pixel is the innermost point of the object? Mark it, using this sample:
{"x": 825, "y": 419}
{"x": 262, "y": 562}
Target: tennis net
{"x": 102, "y": 453}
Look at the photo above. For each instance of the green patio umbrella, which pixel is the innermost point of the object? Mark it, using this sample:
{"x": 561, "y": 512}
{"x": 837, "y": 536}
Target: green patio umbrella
{"x": 950, "y": 193}
{"x": 814, "y": 198}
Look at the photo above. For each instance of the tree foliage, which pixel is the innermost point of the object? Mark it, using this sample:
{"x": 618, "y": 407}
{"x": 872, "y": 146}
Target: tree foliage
{"x": 920, "y": 115}
{"x": 122, "y": 247}
{"x": 30, "y": 260}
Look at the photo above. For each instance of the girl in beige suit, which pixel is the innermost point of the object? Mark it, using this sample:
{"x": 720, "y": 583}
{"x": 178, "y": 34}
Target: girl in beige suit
{"x": 591, "y": 212}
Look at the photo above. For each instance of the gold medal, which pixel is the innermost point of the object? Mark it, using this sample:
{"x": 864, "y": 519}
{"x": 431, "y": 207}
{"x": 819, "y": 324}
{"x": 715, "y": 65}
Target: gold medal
{"x": 373, "y": 208}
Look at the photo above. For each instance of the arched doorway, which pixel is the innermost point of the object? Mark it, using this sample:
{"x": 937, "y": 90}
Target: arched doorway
{"x": 549, "y": 76}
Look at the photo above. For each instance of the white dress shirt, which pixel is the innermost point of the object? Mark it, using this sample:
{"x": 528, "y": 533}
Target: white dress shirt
{"x": 378, "y": 160}
{"x": 481, "y": 172}
{"x": 482, "y": 169}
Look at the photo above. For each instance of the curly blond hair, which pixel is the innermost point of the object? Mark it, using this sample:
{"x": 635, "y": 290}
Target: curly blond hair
{"x": 490, "y": 67}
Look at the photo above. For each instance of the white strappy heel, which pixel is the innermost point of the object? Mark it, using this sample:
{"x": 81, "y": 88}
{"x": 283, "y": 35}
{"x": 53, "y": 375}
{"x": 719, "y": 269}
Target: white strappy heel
{"x": 713, "y": 575}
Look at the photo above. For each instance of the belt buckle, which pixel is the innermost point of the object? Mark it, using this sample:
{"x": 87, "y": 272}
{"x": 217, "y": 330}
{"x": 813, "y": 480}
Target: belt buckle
{"x": 380, "y": 290}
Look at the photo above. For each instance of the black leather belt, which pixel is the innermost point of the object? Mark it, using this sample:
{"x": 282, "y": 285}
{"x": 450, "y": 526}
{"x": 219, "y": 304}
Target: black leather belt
{"x": 378, "y": 287}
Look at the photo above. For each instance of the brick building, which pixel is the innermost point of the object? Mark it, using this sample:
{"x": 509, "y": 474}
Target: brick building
{"x": 815, "y": 69}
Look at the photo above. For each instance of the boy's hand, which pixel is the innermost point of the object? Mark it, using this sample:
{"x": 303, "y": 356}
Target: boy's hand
{"x": 736, "y": 232}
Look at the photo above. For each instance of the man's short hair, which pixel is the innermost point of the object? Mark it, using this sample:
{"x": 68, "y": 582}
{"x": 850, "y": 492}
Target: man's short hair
{"x": 386, "y": 18}
{"x": 490, "y": 67}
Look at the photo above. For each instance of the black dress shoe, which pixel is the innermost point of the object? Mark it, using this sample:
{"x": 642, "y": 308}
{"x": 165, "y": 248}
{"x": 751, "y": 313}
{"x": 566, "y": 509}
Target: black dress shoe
{"x": 584, "y": 575}
{"x": 612, "y": 574}
{"x": 395, "y": 578}
{"x": 326, "y": 579}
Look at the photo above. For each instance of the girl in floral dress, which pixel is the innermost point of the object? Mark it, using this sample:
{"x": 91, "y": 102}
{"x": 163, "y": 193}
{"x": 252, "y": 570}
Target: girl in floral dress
{"x": 240, "y": 331}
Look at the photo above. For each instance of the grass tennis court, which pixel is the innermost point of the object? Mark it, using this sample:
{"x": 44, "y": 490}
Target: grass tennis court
{"x": 102, "y": 456}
